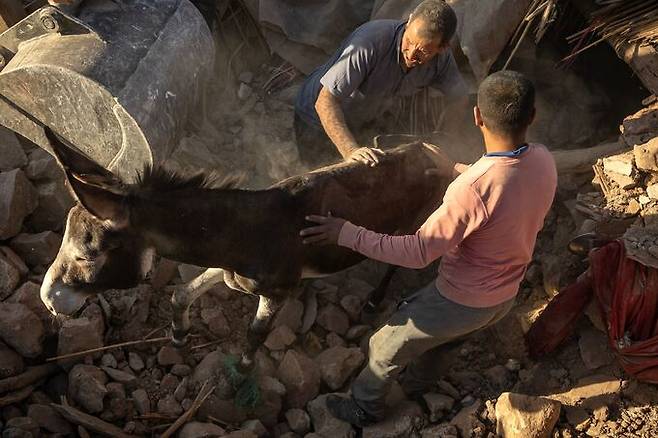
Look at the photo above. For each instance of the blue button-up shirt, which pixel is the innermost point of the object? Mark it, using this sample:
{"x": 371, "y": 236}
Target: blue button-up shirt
{"x": 366, "y": 72}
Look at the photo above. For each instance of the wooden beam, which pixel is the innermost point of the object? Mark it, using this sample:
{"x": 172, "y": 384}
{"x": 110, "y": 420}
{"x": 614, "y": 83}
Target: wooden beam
{"x": 11, "y": 12}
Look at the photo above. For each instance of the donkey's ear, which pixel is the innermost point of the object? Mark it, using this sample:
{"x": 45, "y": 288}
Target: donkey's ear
{"x": 97, "y": 189}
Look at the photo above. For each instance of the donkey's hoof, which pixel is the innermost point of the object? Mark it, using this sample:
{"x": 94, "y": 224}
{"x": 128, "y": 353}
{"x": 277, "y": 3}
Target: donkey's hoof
{"x": 180, "y": 341}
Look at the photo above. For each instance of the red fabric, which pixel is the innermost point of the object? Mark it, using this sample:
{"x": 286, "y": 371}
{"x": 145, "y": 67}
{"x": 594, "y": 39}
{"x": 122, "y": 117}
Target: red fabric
{"x": 627, "y": 293}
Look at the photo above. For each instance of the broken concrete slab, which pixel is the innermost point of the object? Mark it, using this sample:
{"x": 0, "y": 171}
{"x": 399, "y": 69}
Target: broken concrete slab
{"x": 523, "y": 416}
{"x": 18, "y": 199}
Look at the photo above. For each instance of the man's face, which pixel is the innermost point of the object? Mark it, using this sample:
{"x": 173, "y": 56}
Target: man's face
{"x": 416, "y": 49}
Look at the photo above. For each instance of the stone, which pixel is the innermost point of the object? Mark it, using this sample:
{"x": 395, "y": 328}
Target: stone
{"x": 120, "y": 376}
{"x": 326, "y": 425}
{"x": 141, "y": 401}
{"x": 256, "y": 427}
{"x": 594, "y": 349}
{"x": 11, "y": 363}
{"x": 290, "y": 314}
{"x": 181, "y": 389}
{"x": 241, "y": 434}
{"x": 223, "y": 410}
{"x": 652, "y": 191}
{"x": 21, "y": 329}
{"x": 18, "y": 199}
{"x": 246, "y": 77}
{"x": 467, "y": 421}
{"x": 169, "y": 406}
{"x": 244, "y": 91}
{"x": 271, "y": 384}
{"x": 333, "y": 319}
{"x": 280, "y": 338}
{"x": 216, "y": 322}
{"x": 624, "y": 182}
{"x": 78, "y": 334}
{"x": 28, "y": 295}
{"x": 15, "y": 260}
{"x": 189, "y": 272}
{"x": 42, "y": 166}
{"x": 168, "y": 355}
{"x": 498, "y": 376}
{"x": 49, "y": 419}
{"x": 357, "y": 331}
{"x": 54, "y": 201}
{"x": 578, "y": 417}
{"x": 352, "y": 305}
{"x": 12, "y": 155}
{"x": 513, "y": 365}
{"x": 334, "y": 340}
{"x": 301, "y": 377}
{"x": 400, "y": 423}
{"x": 181, "y": 370}
{"x": 444, "y": 430}
{"x": 438, "y": 405}
{"x": 523, "y": 416}
{"x": 447, "y": 388}
{"x": 622, "y": 164}
{"x": 37, "y": 249}
{"x": 598, "y": 389}
{"x": 643, "y": 121}
{"x": 24, "y": 423}
{"x": 298, "y": 420}
{"x": 10, "y": 277}
{"x": 196, "y": 429}
{"x": 209, "y": 368}
{"x": 338, "y": 364}
{"x": 646, "y": 155}
{"x": 135, "y": 361}
{"x": 87, "y": 387}
{"x": 108, "y": 360}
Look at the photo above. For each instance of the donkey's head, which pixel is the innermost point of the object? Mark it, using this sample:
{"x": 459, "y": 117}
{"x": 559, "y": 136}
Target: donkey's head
{"x": 99, "y": 250}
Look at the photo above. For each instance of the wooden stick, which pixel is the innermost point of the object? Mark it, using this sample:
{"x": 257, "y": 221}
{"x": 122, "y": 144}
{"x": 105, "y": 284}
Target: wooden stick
{"x": 109, "y": 347}
{"x": 28, "y": 377}
{"x": 89, "y": 422}
{"x": 203, "y": 394}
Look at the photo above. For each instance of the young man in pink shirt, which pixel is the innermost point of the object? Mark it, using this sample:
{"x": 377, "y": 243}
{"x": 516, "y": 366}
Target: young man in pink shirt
{"x": 484, "y": 231}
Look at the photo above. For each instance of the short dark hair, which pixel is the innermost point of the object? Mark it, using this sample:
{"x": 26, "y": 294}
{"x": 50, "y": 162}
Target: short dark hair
{"x": 506, "y": 100}
{"x": 439, "y": 18}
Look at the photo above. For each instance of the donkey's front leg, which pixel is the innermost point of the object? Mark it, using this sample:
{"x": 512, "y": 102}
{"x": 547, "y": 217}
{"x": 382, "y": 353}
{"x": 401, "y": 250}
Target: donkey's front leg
{"x": 259, "y": 327}
{"x": 184, "y": 296}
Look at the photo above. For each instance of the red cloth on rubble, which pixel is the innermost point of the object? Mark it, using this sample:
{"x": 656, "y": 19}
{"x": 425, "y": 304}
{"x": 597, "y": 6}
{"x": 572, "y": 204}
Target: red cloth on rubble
{"x": 627, "y": 294}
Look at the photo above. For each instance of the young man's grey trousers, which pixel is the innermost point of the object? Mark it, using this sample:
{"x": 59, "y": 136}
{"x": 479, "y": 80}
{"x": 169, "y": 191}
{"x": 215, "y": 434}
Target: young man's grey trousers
{"x": 423, "y": 322}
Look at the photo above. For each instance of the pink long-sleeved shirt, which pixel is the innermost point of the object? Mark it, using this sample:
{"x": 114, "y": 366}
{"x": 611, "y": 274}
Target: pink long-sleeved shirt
{"x": 485, "y": 230}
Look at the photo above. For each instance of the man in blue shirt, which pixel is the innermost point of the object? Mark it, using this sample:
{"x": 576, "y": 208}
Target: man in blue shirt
{"x": 379, "y": 60}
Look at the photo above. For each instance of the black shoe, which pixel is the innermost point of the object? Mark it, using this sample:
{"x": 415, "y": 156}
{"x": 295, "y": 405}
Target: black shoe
{"x": 347, "y": 410}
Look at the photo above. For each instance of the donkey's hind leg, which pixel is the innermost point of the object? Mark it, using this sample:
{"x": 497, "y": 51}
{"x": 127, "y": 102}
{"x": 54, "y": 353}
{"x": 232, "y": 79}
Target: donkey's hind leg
{"x": 184, "y": 296}
{"x": 259, "y": 327}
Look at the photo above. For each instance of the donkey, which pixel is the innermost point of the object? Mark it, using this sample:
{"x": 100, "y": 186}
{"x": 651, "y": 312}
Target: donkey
{"x": 248, "y": 238}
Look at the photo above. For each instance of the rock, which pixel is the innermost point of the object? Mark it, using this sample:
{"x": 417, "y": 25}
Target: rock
{"x": 189, "y": 272}
{"x": 524, "y": 416}
{"x": 181, "y": 370}
{"x": 578, "y": 417}
{"x": 18, "y": 198}
{"x": 594, "y": 349}
{"x": 256, "y": 427}
{"x": 299, "y": 421}
{"x": 15, "y": 260}
{"x": 246, "y": 77}
{"x": 467, "y": 421}
{"x": 141, "y": 401}
{"x": 597, "y": 389}
{"x": 325, "y": 424}
{"x": 108, "y": 360}
{"x": 216, "y": 322}
{"x": 209, "y": 368}
{"x": 24, "y": 423}
{"x": 12, "y": 155}
{"x": 169, "y": 406}
{"x": 11, "y": 363}
{"x": 271, "y": 384}
{"x": 196, "y": 429}
{"x": 280, "y": 338}
{"x": 9, "y": 277}
{"x": 168, "y": 355}
{"x": 54, "y": 201}
{"x": 47, "y": 418}
{"x": 135, "y": 361}
{"x": 652, "y": 191}
{"x": 621, "y": 164}
{"x": 78, "y": 334}
{"x": 120, "y": 376}
{"x": 87, "y": 387}
{"x": 37, "y": 249}
{"x": 498, "y": 376}
{"x": 337, "y": 364}
{"x": 333, "y": 319}
{"x": 624, "y": 182}
{"x": 181, "y": 389}
{"x": 28, "y": 295}
{"x": 438, "y": 405}
{"x": 444, "y": 430}
{"x": 42, "y": 166}
{"x": 21, "y": 329}
{"x": 513, "y": 365}
{"x": 334, "y": 340}
{"x": 290, "y": 314}
{"x": 646, "y": 155}
{"x": 223, "y": 410}
{"x": 401, "y": 423}
{"x": 241, "y": 434}
{"x": 357, "y": 331}
{"x": 301, "y": 377}
{"x": 244, "y": 91}
{"x": 352, "y": 305}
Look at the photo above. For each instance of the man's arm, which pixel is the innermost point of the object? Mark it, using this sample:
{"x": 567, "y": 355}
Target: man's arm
{"x": 333, "y": 121}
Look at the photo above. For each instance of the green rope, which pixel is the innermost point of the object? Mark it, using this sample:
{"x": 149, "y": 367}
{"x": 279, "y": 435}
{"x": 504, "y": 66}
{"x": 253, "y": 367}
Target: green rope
{"x": 247, "y": 391}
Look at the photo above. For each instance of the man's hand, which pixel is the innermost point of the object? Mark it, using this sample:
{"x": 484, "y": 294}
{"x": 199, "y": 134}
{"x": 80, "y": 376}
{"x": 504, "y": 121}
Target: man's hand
{"x": 365, "y": 155}
{"x": 326, "y": 233}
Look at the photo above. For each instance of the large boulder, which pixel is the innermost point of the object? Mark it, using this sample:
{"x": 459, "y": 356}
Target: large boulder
{"x": 524, "y": 416}
{"x": 301, "y": 377}
{"x": 21, "y": 329}
{"x": 18, "y": 198}
{"x": 337, "y": 364}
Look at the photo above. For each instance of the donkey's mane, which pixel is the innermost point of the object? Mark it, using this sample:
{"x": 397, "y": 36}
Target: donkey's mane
{"x": 160, "y": 179}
